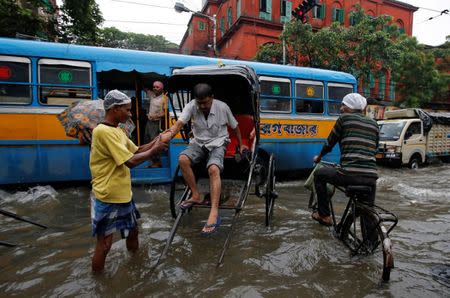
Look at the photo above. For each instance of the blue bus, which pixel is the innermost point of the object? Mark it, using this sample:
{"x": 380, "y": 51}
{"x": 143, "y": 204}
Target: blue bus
{"x": 38, "y": 80}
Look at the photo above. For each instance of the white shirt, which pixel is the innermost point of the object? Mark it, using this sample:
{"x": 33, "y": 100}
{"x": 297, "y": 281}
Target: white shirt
{"x": 211, "y": 132}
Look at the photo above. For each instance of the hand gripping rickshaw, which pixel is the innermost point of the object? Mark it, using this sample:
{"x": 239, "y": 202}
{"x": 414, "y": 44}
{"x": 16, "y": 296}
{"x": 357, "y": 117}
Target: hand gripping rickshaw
{"x": 238, "y": 87}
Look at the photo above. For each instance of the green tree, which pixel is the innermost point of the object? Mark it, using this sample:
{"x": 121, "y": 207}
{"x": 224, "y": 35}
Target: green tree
{"x": 16, "y": 18}
{"x": 418, "y": 79}
{"x": 271, "y": 53}
{"x": 298, "y": 40}
{"x": 79, "y": 22}
{"x": 371, "y": 47}
{"x": 114, "y": 38}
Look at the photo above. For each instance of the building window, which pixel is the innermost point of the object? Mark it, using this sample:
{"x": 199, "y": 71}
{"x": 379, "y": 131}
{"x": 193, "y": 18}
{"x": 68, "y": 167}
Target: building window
{"x": 201, "y": 25}
{"x": 381, "y": 86}
{"x": 230, "y": 17}
{"x": 265, "y": 9}
{"x": 63, "y": 82}
{"x": 238, "y": 9}
{"x": 392, "y": 89}
{"x": 222, "y": 26}
{"x": 319, "y": 11}
{"x": 351, "y": 20}
{"x": 400, "y": 26}
{"x": 15, "y": 80}
{"x": 286, "y": 11}
{"x": 338, "y": 15}
{"x": 263, "y": 5}
{"x": 368, "y": 86}
{"x": 283, "y": 8}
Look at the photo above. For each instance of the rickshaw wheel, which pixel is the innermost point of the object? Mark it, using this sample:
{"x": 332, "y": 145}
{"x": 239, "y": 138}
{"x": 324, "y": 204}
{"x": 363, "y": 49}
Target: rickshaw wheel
{"x": 270, "y": 194}
{"x": 178, "y": 192}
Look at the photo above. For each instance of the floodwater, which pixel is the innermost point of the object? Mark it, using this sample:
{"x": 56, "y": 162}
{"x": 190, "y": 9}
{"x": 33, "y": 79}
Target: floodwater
{"x": 295, "y": 257}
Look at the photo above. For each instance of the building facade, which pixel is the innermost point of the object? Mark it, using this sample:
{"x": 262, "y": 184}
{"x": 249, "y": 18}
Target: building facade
{"x": 242, "y": 26}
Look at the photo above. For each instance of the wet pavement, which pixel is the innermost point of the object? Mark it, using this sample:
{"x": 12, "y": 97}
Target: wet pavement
{"x": 295, "y": 257}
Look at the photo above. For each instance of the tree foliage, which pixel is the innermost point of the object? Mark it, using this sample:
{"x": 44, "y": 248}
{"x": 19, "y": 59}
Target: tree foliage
{"x": 418, "y": 77}
{"x": 271, "y": 53}
{"x": 372, "y": 46}
{"x": 23, "y": 19}
{"x": 114, "y": 38}
{"x": 79, "y": 22}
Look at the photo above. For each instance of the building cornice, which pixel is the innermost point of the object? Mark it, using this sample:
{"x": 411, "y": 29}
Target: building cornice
{"x": 402, "y": 4}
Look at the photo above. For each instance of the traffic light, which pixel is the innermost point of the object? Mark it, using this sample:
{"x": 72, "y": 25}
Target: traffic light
{"x": 300, "y": 11}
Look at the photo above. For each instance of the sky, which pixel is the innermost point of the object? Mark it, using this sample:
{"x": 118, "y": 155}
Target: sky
{"x": 157, "y": 17}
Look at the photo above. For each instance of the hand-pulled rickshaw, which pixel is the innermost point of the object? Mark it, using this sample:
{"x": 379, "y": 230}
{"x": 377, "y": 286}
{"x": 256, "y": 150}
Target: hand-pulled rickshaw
{"x": 238, "y": 87}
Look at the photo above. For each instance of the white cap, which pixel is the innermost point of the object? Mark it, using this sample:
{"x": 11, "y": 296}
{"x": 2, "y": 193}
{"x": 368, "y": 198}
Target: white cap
{"x": 115, "y": 98}
{"x": 355, "y": 101}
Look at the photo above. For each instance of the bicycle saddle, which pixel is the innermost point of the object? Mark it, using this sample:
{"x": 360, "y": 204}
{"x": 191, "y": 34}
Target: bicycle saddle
{"x": 357, "y": 190}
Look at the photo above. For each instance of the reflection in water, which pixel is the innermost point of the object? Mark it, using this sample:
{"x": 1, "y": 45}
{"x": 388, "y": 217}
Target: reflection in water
{"x": 294, "y": 257}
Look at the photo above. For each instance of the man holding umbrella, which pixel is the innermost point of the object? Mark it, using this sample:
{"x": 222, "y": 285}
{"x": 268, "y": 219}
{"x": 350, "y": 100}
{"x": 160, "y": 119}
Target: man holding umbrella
{"x": 112, "y": 155}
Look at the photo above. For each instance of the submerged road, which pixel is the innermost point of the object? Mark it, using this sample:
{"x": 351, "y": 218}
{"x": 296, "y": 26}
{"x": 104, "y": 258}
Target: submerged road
{"x": 295, "y": 257}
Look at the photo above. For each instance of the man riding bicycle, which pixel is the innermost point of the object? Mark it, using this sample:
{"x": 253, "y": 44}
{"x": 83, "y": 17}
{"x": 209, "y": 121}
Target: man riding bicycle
{"x": 358, "y": 137}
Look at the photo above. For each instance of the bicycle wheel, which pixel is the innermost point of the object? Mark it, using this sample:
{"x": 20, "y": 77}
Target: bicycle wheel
{"x": 270, "y": 194}
{"x": 363, "y": 233}
{"x": 178, "y": 192}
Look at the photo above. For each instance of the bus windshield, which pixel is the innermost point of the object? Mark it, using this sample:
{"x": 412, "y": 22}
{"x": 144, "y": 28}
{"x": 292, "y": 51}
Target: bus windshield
{"x": 391, "y": 131}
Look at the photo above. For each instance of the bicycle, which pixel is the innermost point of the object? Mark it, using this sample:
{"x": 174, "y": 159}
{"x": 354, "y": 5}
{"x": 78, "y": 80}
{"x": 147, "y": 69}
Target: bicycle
{"x": 358, "y": 235}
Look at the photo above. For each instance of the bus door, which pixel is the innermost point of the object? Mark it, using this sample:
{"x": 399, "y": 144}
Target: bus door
{"x": 135, "y": 84}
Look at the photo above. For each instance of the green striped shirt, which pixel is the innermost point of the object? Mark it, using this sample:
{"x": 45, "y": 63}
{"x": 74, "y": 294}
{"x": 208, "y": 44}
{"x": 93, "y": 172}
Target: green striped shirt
{"x": 357, "y": 136}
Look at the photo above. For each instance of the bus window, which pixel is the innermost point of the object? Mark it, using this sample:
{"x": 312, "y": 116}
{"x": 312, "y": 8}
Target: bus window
{"x": 275, "y": 95}
{"x": 15, "y": 80}
{"x": 62, "y": 82}
{"x": 336, "y": 93}
{"x": 309, "y": 97}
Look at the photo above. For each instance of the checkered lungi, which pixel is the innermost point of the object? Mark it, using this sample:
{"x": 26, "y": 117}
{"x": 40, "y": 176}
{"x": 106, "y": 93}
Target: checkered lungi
{"x": 107, "y": 218}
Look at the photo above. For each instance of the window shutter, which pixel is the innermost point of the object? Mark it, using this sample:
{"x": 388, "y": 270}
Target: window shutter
{"x": 372, "y": 81}
{"x": 222, "y": 26}
{"x": 366, "y": 89}
{"x": 269, "y": 7}
{"x": 238, "y": 9}
{"x": 288, "y": 10}
{"x": 334, "y": 13}
{"x": 341, "y": 16}
{"x": 392, "y": 89}
{"x": 322, "y": 11}
{"x": 381, "y": 86}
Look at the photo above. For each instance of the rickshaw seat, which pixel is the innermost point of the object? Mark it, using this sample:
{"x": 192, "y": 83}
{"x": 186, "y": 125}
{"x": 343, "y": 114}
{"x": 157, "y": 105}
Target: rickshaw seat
{"x": 246, "y": 126}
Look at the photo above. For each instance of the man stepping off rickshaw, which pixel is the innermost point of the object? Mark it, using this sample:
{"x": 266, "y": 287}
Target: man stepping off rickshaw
{"x": 209, "y": 119}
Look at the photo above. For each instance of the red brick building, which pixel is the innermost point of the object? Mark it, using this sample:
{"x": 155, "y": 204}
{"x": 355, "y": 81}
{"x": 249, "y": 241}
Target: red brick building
{"x": 244, "y": 25}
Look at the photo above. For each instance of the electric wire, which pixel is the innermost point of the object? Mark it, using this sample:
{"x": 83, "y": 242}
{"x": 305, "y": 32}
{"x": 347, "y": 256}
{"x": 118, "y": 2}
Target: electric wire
{"x": 144, "y": 4}
{"x": 144, "y": 22}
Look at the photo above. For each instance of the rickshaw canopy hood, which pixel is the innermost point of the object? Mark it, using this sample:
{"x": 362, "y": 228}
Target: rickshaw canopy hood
{"x": 237, "y": 85}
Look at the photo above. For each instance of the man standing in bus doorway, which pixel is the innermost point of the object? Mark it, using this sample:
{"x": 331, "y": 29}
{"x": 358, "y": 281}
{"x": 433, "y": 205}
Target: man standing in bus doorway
{"x": 358, "y": 137}
{"x": 112, "y": 155}
{"x": 209, "y": 118}
{"x": 156, "y": 113}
